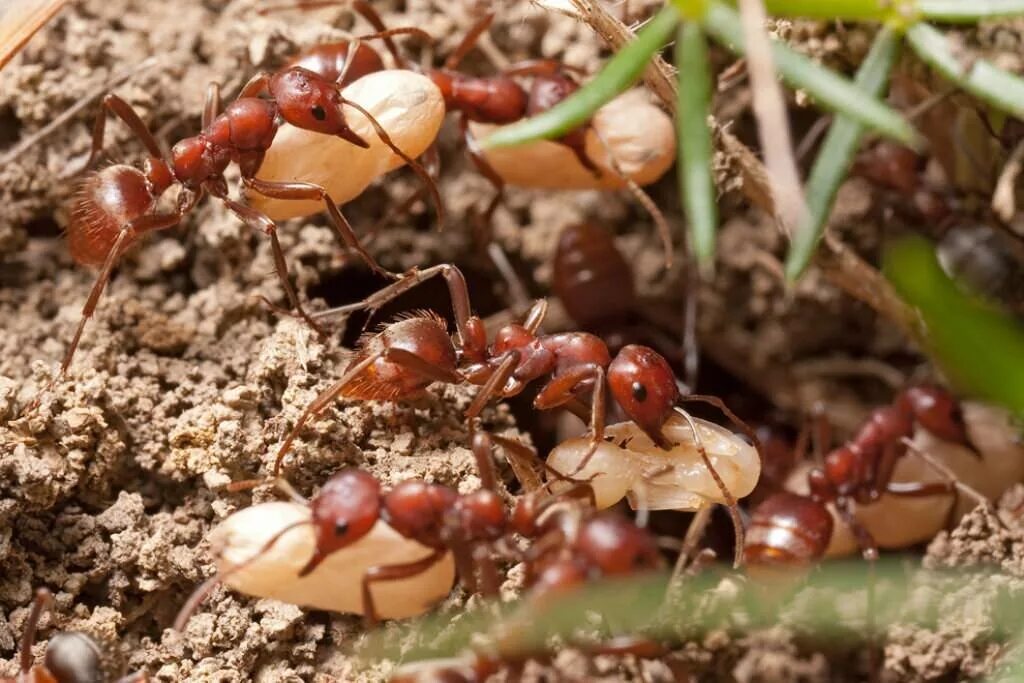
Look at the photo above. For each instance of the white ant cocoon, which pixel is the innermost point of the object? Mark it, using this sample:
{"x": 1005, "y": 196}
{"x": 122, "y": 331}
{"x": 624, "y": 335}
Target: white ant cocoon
{"x": 899, "y": 522}
{"x": 630, "y": 466}
{"x": 406, "y": 104}
{"x": 336, "y": 583}
{"x": 641, "y": 139}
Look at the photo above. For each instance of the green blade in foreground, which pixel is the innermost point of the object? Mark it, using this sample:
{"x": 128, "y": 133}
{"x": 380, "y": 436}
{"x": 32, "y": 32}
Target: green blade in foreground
{"x": 619, "y": 73}
{"x": 968, "y": 12}
{"x": 833, "y": 10}
{"x": 827, "y": 88}
{"x": 980, "y": 349}
{"x": 694, "y": 141}
{"x": 836, "y": 155}
{"x": 980, "y": 78}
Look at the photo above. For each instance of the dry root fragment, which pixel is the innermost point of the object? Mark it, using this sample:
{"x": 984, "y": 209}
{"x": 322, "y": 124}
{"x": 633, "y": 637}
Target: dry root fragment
{"x": 899, "y": 522}
{"x": 631, "y": 466}
{"x": 640, "y": 136}
{"x": 335, "y": 584}
{"x": 407, "y": 105}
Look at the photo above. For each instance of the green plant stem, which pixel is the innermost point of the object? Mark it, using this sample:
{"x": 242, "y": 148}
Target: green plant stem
{"x": 980, "y": 78}
{"x": 839, "y": 10}
{"x": 836, "y": 155}
{"x": 968, "y": 11}
{"x": 619, "y": 73}
{"x": 695, "y": 146}
{"x": 830, "y": 90}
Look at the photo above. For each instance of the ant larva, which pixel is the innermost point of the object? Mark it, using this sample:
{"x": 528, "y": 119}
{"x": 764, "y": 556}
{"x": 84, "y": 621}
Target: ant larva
{"x": 71, "y": 657}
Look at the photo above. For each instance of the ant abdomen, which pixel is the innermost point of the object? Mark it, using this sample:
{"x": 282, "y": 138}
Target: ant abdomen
{"x": 105, "y": 202}
{"x": 788, "y": 528}
{"x": 591, "y": 277}
{"x": 423, "y": 335}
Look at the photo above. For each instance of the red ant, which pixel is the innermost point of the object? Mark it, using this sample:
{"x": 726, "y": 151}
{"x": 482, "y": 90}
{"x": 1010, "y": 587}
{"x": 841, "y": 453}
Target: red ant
{"x": 71, "y": 657}
{"x": 115, "y": 207}
{"x": 405, "y": 357}
{"x": 791, "y": 528}
{"x": 349, "y": 505}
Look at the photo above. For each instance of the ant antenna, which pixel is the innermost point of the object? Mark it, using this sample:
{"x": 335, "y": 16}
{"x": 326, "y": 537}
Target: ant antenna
{"x": 730, "y": 500}
{"x": 206, "y": 587}
{"x": 42, "y": 600}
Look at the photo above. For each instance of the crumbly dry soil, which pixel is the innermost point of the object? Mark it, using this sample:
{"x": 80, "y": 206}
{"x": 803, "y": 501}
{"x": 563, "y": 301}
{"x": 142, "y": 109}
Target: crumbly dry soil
{"x": 185, "y": 380}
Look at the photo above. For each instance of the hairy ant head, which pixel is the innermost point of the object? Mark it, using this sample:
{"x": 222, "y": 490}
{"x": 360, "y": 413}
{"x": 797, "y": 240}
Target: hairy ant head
{"x": 345, "y": 510}
{"x": 788, "y": 529}
{"x": 73, "y": 658}
{"x": 417, "y": 510}
{"x": 616, "y": 546}
{"x": 642, "y": 382}
{"x": 308, "y": 101}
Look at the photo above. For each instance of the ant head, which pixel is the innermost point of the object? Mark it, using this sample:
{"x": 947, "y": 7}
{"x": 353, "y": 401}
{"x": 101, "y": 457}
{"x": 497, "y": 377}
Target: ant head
{"x": 308, "y": 101}
{"x": 616, "y": 546}
{"x": 345, "y": 510}
{"x": 511, "y": 336}
{"x": 642, "y": 382}
{"x": 480, "y": 515}
{"x": 73, "y": 658}
{"x": 417, "y": 509}
{"x": 788, "y": 528}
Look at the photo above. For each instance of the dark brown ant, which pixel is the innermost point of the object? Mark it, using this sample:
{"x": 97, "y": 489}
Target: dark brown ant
{"x": 789, "y": 528}
{"x": 71, "y": 657}
{"x": 113, "y": 208}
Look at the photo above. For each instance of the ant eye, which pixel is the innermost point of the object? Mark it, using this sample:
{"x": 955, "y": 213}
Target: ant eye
{"x": 318, "y": 113}
{"x": 340, "y": 528}
{"x": 639, "y": 392}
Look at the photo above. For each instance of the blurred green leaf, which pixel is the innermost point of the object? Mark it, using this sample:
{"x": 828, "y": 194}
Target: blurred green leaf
{"x": 694, "y": 141}
{"x": 968, "y": 11}
{"x": 836, "y": 155}
{"x": 980, "y": 78}
{"x": 980, "y": 349}
{"x": 833, "y": 10}
{"x": 618, "y": 74}
{"x": 827, "y": 88}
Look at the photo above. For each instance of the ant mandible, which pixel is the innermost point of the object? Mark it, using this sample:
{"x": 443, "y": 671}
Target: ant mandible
{"x": 71, "y": 657}
{"x": 790, "y": 528}
{"x": 113, "y": 208}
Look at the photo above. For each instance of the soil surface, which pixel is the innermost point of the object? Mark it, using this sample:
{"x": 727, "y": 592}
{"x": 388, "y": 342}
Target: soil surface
{"x": 185, "y": 379}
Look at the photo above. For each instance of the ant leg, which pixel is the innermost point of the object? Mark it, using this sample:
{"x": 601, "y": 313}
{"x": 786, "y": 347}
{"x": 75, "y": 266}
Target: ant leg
{"x": 342, "y": 228}
{"x": 494, "y": 385}
{"x": 736, "y": 421}
{"x": 540, "y": 67}
{"x": 476, "y": 155}
{"x": 257, "y": 220}
{"x": 564, "y": 387}
{"x": 212, "y": 107}
{"x": 126, "y": 113}
{"x": 526, "y": 464}
{"x": 457, "y": 290}
{"x": 535, "y": 316}
{"x": 490, "y": 582}
{"x": 469, "y": 41}
{"x": 730, "y": 500}
{"x": 482, "y": 447}
{"x": 394, "y": 572}
{"x": 42, "y": 600}
{"x": 416, "y": 166}
{"x": 869, "y": 550}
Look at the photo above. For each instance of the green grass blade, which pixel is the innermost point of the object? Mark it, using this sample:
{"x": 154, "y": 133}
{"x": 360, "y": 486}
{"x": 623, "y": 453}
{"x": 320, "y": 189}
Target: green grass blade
{"x": 619, "y": 73}
{"x": 836, "y": 154}
{"x": 827, "y": 88}
{"x": 694, "y": 141}
{"x": 833, "y": 10}
{"x": 980, "y": 349}
{"x": 980, "y": 78}
{"x": 968, "y": 12}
